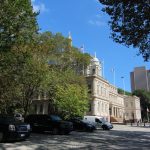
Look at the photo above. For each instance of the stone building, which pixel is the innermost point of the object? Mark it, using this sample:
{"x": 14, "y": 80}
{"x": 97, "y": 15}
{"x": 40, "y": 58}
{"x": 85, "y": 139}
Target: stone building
{"x": 105, "y": 100}
{"x": 132, "y": 109}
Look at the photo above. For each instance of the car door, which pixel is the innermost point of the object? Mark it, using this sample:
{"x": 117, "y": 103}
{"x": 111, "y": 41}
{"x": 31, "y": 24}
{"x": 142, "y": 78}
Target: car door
{"x": 3, "y": 126}
{"x": 78, "y": 124}
{"x": 47, "y": 123}
{"x": 98, "y": 123}
{"x": 37, "y": 123}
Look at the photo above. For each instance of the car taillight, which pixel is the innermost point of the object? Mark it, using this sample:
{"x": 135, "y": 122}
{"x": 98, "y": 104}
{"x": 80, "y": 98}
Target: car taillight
{"x": 12, "y": 127}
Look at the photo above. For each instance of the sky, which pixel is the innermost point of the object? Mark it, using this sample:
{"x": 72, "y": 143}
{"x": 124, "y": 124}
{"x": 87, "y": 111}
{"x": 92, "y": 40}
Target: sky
{"x": 88, "y": 26}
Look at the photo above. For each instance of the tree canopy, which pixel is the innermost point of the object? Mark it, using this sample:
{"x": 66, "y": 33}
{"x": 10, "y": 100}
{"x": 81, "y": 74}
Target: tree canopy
{"x": 33, "y": 62}
{"x": 144, "y": 101}
{"x": 67, "y": 88}
{"x": 130, "y": 23}
{"x": 18, "y": 27}
{"x": 17, "y": 23}
{"x": 121, "y": 91}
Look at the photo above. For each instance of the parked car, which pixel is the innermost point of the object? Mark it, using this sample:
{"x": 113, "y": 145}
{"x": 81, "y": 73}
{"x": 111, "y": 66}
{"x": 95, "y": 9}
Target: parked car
{"x": 52, "y": 123}
{"x": 11, "y": 130}
{"x": 99, "y": 122}
{"x": 80, "y": 125}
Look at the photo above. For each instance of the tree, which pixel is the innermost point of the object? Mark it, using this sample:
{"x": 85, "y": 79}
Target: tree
{"x": 130, "y": 23}
{"x": 17, "y": 23}
{"x": 144, "y": 101}
{"x": 72, "y": 100}
{"x": 18, "y": 27}
{"x": 68, "y": 93}
{"x": 121, "y": 91}
{"x": 67, "y": 88}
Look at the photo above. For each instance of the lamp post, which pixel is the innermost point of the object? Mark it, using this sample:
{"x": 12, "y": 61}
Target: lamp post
{"x": 124, "y": 118}
{"x": 123, "y": 84}
{"x": 147, "y": 114}
{"x": 113, "y": 72}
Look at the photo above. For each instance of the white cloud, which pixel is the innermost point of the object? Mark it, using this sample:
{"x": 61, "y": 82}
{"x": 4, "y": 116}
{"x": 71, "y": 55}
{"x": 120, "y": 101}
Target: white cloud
{"x": 39, "y": 7}
{"x": 97, "y": 22}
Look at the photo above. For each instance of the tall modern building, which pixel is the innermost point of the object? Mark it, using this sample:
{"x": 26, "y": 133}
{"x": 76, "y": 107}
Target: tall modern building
{"x": 140, "y": 79}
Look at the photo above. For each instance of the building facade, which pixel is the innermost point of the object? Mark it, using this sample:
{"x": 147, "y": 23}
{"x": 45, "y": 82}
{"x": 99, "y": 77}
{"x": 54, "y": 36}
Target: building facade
{"x": 105, "y": 100}
{"x": 132, "y": 109}
{"x": 140, "y": 79}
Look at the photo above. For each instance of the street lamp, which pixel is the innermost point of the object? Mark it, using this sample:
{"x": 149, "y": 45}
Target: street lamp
{"x": 123, "y": 84}
{"x": 113, "y": 71}
{"x": 147, "y": 114}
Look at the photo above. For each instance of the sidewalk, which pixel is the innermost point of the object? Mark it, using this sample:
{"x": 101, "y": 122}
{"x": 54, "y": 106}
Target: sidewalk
{"x": 139, "y": 124}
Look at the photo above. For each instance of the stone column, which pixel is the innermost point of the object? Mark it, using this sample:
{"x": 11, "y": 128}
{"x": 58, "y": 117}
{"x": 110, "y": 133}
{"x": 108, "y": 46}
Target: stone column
{"x": 112, "y": 111}
{"x": 116, "y": 111}
{"x": 94, "y": 107}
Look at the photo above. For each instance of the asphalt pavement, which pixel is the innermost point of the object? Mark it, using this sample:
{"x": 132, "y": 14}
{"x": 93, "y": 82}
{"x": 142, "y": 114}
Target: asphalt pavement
{"x": 121, "y": 137}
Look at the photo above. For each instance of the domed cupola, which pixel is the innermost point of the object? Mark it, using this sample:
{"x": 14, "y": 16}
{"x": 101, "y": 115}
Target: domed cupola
{"x": 96, "y": 66}
{"x": 95, "y": 61}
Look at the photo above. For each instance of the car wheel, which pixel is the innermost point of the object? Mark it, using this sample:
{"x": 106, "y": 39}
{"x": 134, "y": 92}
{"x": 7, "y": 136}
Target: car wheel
{"x": 89, "y": 130}
{"x": 104, "y": 127}
{"x": 55, "y": 131}
{"x": 1, "y": 136}
{"x": 62, "y": 132}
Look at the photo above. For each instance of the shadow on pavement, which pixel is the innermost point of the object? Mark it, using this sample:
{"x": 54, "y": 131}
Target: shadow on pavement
{"x": 105, "y": 140}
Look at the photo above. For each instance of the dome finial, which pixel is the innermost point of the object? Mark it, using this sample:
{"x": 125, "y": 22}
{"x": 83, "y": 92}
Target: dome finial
{"x": 95, "y": 55}
{"x": 69, "y": 37}
{"x": 82, "y": 48}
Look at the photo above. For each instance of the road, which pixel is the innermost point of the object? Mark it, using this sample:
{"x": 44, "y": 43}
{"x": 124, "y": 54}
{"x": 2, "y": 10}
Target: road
{"x": 121, "y": 137}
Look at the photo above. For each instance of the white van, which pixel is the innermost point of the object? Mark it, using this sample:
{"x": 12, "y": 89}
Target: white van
{"x": 98, "y": 121}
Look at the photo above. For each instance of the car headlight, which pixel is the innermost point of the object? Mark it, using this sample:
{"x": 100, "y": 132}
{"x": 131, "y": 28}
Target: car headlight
{"x": 28, "y": 127}
{"x": 89, "y": 125}
{"x": 11, "y": 127}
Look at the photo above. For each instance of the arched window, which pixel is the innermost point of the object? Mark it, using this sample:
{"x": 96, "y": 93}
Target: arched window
{"x": 93, "y": 71}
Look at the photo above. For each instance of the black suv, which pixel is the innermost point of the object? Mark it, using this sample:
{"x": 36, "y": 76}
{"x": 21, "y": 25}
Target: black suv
{"x": 11, "y": 130}
{"x": 52, "y": 123}
{"x": 80, "y": 125}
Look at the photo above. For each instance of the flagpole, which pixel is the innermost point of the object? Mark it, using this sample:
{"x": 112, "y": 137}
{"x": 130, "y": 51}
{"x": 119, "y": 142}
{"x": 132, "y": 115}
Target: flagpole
{"x": 114, "y": 78}
{"x": 103, "y": 68}
{"x": 123, "y": 84}
{"x": 113, "y": 71}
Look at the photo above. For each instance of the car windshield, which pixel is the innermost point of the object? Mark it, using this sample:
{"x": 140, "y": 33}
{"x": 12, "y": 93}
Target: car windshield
{"x": 102, "y": 120}
{"x": 18, "y": 115}
{"x": 55, "y": 118}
